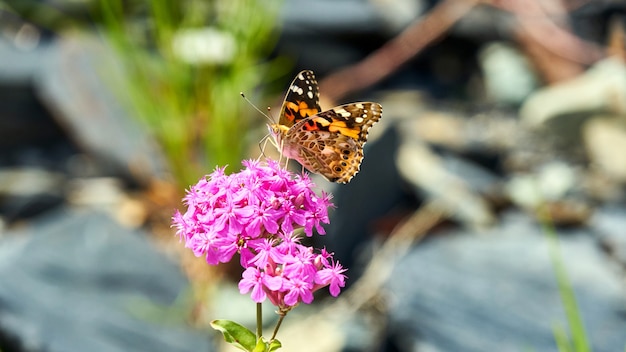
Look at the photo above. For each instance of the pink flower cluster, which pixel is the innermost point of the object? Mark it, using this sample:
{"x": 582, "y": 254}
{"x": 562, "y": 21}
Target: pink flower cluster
{"x": 254, "y": 213}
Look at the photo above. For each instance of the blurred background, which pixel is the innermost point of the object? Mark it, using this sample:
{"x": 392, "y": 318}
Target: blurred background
{"x": 489, "y": 213}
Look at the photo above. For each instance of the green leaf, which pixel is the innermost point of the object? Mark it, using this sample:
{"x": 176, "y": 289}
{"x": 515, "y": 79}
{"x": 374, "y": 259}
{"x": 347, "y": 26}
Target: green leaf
{"x": 236, "y": 334}
{"x": 264, "y": 346}
{"x": 275, "y": 345}
{"x": 261, "y": 346}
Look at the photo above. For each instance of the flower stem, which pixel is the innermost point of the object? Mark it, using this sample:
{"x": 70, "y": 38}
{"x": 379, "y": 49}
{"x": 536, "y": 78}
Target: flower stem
{"x": 280, "y": 321}
{"x": 259, "y": 320}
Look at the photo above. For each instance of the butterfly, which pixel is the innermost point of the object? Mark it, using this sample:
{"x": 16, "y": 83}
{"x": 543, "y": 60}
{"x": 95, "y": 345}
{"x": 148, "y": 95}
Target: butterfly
{"x": 329, "y": 143}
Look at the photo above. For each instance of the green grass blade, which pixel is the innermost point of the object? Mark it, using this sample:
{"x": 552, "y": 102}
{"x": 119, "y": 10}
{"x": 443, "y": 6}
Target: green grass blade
{"x": 577, "y": 332}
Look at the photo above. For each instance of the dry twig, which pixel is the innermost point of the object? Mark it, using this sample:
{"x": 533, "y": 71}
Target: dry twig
{"x": 396, "y": 52}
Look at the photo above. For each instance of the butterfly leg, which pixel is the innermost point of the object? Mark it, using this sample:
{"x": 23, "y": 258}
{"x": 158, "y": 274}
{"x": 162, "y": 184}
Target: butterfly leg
{"x": 262, "y": 145}
{"x": 280, "y": 152}
{"x": 282, "y": 143}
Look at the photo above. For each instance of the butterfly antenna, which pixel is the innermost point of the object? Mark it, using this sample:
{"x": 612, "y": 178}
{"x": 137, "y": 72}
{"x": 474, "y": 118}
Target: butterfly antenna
{"x": 257, "y": 109}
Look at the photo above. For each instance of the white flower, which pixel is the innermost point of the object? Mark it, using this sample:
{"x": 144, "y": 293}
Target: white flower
{"x": 204, "y": 46}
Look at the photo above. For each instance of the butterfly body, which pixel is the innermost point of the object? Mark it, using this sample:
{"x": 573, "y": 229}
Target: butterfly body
{"x": 329, "y": 142}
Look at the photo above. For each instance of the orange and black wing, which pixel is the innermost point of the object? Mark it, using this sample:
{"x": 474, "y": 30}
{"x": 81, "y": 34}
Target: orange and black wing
{"x": 302, "y": 99}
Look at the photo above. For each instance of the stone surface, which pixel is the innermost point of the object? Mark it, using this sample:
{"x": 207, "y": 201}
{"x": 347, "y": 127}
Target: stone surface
{"x": 77, "y": 281}
{"x": 80, "y": 84}
{"x": 609, "y": 224}
{"x": 65, "y": 89}
{"x": 603, "y": 137}
{"x": 601, "y": 89}
{"x": 430, "y": 175}
{"x": 508, "y": 75}
{"x": 497, "y": 291}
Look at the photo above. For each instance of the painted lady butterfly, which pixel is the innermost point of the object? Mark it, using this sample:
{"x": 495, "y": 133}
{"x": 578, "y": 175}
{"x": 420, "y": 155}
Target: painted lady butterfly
{"x": 329, "y": 143}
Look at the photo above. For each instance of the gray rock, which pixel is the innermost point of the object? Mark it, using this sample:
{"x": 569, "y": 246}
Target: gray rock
{"x": 80, "y": 84}
{"x": 508, "y": 75}
{"x": 497, "y": 292}
{"x": 77, "y": 281}
{"x": 428, "y": 173}
{"x": 63, "y": 79}
{"x": 26, "y": 192}
{"x": 609, "y": 224}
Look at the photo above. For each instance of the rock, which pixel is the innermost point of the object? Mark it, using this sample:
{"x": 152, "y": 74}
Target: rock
{"x": 71, "y": 85}
{"x": 551, "y": 182}
{"x": 57, "y": 92}
{"x": 427, "y": 173}
{"x": 605, "y": 141}
{"x": 77, "y": 281}
{"x": 609, "y": 224}
{"x": 508, "y": 76}
{"x": 463, "y": 292}
{"x": 26, "y": 192}
{"x": 601, "y": 89}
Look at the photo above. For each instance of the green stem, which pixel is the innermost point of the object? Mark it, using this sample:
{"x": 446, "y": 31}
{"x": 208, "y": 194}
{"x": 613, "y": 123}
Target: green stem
{"x": 259, "y": 320}
{"x": 280, "y": 321}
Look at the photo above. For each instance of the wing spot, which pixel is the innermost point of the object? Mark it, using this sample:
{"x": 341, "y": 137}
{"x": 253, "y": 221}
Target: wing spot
{"x": 310, "y": 94}
{"x": 297, "y": 90}
{"x": 345, "y": 146}
{"x": 358, "y": 120}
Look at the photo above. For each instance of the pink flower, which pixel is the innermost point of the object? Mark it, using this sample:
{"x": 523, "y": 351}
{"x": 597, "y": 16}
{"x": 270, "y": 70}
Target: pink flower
{"x": 258, "y": 280}
{"x": 255, "y": 212}
{"x": 331, "y": 275}
{"x": 298, "y": 289}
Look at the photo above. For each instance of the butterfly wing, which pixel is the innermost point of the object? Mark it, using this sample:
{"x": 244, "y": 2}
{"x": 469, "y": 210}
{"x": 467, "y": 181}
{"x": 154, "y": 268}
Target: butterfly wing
{"x": 302, "y": 99}
{"x": 331, "y": 143}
